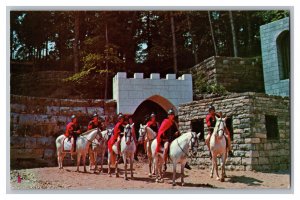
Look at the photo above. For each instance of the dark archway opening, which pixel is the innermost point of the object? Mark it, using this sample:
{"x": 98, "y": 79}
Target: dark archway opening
{"x": 283, "y": 53}
{"x": 144, "y": 110}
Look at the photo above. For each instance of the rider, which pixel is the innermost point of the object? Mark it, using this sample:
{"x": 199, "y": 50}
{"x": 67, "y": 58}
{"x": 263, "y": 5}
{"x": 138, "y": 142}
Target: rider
{"x": 154, "y": 125}
{"x": 117, "y": 130}
{"x": 211, "y": 123}
{"x": 167, "y": 132}
{"x": 72, "y": 132}
{"x": 130, "y": 121}
{"x": 95, "y": 123}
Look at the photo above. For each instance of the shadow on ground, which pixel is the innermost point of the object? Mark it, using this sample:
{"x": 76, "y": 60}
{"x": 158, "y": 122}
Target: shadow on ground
{"x": 245, "y": 180}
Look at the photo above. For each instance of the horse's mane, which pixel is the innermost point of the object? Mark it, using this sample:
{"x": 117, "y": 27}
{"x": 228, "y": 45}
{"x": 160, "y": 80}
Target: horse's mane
{"x": 89, "y": 131}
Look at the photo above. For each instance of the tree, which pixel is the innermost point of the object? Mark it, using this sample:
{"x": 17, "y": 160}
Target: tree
{"x": 234, "y": 39}
{"x": 212, "y": 33}
{"x": 76, "y": 40}
{"x": 173, "y": 43}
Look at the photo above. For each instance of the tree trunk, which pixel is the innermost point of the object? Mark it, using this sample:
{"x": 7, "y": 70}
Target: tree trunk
{"x": 212, "y": 34}
{"x": 76, "y": 41}
{"x": 234, "y": 39}
{"x": 249, "y": 33}
{"x": 106, "y": 61}
{"x": 174, "y": 43}
{"x": 193, "y": 40}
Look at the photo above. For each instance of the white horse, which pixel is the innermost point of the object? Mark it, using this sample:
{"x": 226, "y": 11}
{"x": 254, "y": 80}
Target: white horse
{"x": 82, "y": 146}
{"x": 99, "y": 145}
{"x": 146, "y": 131}
{"x": 178, "y": 153}
{"x": 218, "y": 148}
{"x": 128, "y": 148}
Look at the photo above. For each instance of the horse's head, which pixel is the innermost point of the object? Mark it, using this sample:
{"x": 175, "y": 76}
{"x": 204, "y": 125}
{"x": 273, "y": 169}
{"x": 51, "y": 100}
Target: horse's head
{"x": 219, "y": 129}
{"x": 142, "y": 133}
{"x": 194, "y": 143}
{"x": 128, "y": 132}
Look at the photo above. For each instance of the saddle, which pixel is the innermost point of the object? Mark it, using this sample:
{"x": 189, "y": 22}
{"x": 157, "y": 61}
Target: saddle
{"x": 67, "y": 145}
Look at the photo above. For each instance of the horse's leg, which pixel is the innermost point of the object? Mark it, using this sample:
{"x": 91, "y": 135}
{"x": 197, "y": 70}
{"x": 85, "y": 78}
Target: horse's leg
{"x": 182, "y": 174}
{"x": 102, "y": 157}
{"x": 96, "y": 165}
{"x": 62, "y": 159}
{"x": 108, "y": 162}
{"x": 59, "y": 160}
{"x": 125, "y": 166}
{"x": 131, "y": 166}
{"x": 156, "y": 168}
{"x": 84, "y": 161}
{"x": 150, "y": 162}
{"x": 174, "y": 173}
{"x": 212, "y": 169}
{"x": 216, "y": 166}
{"x": 116, "y": 166}
{"x": 78, "y": 161}
{"x": 223, "y": 167}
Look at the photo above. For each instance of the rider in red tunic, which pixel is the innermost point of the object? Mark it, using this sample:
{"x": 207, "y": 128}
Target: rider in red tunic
{"x": 72, "y": 132}
{"x": 117, "y": 130}
{"x": 211, "y": 123}
{"x": 166, "y": 134}
{"x": 95, "y": 123}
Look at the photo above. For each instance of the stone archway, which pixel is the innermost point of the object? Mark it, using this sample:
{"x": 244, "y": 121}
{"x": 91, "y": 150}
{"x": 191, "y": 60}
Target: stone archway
{"x": 157, "y": 104}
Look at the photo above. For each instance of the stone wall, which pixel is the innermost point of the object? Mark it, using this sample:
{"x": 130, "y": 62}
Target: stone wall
{"x": 235, "y": 74}
{"x": 269, "y": 34}
{"x": 252, "y": 149}
{"x": 36, "y": 122}
{"x": 131, "y": 92}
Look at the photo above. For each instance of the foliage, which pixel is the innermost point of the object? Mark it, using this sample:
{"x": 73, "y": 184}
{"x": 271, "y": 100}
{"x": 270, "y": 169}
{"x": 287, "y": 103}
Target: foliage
{"x": 201, "y": 86}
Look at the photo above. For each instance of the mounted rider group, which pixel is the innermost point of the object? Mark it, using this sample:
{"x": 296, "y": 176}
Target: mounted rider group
{"x": 163, "y": 134}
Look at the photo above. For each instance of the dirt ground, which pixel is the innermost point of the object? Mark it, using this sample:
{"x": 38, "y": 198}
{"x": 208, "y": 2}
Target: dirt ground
{"x": 53, "y": 178}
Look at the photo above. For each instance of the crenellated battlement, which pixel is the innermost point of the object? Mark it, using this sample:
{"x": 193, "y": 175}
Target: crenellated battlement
{"x": 131, "y": 92}
{"x": 153, "y": 76}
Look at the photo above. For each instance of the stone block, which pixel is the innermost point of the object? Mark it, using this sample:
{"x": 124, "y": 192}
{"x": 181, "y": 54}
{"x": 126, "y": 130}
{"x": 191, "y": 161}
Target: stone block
{"x": 17, "y": 142}
{"x": 252, "y": 140}
{"x": 30, "y": 143}
{"x": 170, "y": 76}
{"x": 49, "y": 153}
{"x": 154, "y": 76}
{"x": 138, "y": 75}
{"x": 121, "y": 75}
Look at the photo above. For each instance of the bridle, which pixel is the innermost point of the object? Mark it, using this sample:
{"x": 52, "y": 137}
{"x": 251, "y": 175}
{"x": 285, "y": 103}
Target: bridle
{"x": 223, "y": 130}
{"x": 98, "y": 131}
{"x": 127, "y": 133}
{"x": 194, "y": 136}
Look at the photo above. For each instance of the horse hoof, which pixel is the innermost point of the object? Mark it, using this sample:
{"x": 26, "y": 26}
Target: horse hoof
{"x": 150, "y": 175}
{"x": 174, "y": 184}
{"x": 211, "y": 176}
{"x": 110, "y": 175}
{"x": 126, "y": 179}
{"x": 156, "y": 180}
{"x": 217, "y": 178}
{"x": 225, "y": 176}
{"x": 182, "y": 184}
{"x": 222, "y": 179}
{"x": 117, "y": 175}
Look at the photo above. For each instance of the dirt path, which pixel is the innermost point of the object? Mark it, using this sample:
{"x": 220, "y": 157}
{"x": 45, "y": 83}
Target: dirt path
{"x": 53, "y": 178}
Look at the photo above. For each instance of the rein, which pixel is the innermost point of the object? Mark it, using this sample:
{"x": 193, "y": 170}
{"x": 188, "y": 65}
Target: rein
{"x": 90, "y": 140}
{"x": 188, "y": 143}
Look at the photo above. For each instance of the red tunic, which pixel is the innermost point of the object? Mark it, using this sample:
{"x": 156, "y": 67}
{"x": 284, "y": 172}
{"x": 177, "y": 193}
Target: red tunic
{"x": 115, "y": 135}
{"x": 69, "y": 129}
{"x": 153, "y": 125}
{"x": 165, "y": 125}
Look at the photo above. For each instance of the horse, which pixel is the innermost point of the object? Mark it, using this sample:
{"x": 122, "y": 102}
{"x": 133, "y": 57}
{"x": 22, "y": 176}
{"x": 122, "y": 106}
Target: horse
{"x": 112, "y": 159}
{"x": 82, "y": 146}
{"x": 178, "y": 153}
{"x": 128, "y": 148}
{"x": 146, "y": 131}
{"x": 99, "y": 145}
{"x": 218, "y": 148}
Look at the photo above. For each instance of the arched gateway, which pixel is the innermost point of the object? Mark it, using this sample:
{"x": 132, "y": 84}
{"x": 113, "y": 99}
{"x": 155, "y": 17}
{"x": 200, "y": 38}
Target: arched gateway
{"x": 141, "y": 96}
